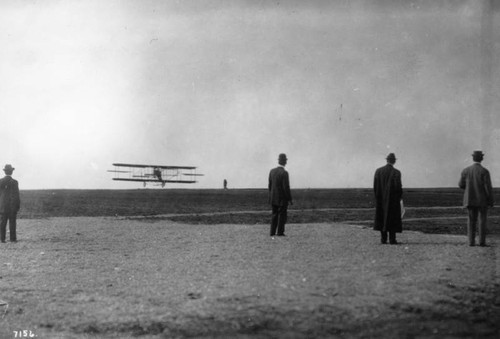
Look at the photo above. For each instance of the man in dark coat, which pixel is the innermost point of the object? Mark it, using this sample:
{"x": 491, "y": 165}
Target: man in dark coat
{"x": 478, "y": 196}
{"x": 9, "y": 204}
{"x": 388, "y": 193}
{"x": 279, "y": 196}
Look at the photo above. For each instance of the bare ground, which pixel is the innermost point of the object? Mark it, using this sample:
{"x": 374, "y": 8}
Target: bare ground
{"x": 107, "y": 277}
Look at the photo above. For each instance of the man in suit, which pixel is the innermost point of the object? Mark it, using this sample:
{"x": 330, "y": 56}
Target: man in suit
{"x": 9, "y": 204}
{"x": 388, "y": 193}
{"x": 279, "y": 196}
{"x": 478, "y": 196}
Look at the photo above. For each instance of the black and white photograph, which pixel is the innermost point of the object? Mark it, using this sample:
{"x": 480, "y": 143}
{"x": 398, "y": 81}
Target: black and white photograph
{"x": 249, "y": 169}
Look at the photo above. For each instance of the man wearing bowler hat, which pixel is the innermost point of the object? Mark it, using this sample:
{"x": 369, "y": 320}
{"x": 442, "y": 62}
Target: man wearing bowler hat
{"x": 478, "y": 196}
{"x": 9, "y": 204}
{"x": 388, "y": 193}
{"x": 279, "y": 196}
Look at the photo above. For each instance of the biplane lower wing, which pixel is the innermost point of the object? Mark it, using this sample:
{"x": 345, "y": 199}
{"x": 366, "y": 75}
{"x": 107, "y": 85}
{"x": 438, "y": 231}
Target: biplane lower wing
{"x": 156, "y": 180}
{"x": 158, "y": 174}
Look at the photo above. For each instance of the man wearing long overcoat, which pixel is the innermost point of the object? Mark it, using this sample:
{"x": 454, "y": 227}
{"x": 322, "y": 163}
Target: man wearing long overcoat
{"x": 388, "y": 193}
{"x": 478, "y": 196}
{"x": 9, "y": 204}
{"x": 279, "y": 196}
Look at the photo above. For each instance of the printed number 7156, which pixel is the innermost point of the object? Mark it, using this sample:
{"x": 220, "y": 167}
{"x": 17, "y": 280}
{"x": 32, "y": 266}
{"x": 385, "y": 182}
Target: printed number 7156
{"x": 24, "y": 334}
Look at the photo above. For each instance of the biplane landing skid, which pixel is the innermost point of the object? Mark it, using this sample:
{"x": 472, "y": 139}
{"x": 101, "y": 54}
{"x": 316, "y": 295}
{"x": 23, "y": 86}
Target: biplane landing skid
{"x": 155, "y": 174}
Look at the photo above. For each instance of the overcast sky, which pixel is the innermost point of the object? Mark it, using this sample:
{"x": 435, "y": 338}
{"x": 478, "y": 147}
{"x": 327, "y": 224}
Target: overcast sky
{"x": 228, "y": 85}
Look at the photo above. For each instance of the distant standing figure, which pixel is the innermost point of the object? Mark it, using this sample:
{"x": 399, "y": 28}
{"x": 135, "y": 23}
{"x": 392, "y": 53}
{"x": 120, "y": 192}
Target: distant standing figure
{"x": 279, "y": 196}
{"x": 478, "y": 196}
{"x": 225, "y": 184}
{"x": 9, "y": 204}
{"x": 388, "y": 193}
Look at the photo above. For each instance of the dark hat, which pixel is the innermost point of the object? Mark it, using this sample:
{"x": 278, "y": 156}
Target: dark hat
{"x": 391, "y": 156}
{"x": 8, "y": 168}
{"x": 282, "y": 156}
{"x": 477, "y": 154}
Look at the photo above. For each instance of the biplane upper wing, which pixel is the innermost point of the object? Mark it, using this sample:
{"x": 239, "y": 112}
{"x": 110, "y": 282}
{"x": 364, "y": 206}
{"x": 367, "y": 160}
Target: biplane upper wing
{"x": 153, "y": 166}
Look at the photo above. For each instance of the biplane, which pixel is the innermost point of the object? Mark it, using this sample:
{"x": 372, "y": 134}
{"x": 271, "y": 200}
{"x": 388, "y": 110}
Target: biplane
{"x": 155, "y": 174}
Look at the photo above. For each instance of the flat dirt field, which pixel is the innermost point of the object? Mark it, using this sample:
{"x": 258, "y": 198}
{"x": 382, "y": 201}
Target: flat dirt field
{"x": 201, "y": 264}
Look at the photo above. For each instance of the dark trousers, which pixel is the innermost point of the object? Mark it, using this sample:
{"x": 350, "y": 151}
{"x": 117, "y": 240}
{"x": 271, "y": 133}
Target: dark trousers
{"x": 11, "y": 218}
{"x": 392, "y": 237}
{"x": 474, "y": 213}
{"x": 278, "y": 219}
